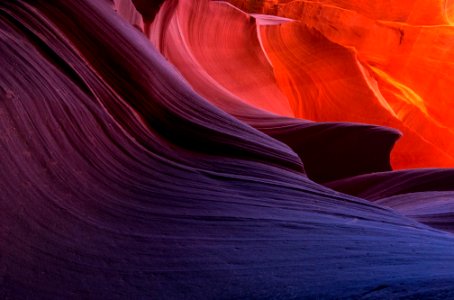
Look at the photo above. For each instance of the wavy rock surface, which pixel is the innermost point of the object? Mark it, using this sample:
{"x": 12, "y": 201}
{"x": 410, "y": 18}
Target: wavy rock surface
{"x": 123, "y": 180}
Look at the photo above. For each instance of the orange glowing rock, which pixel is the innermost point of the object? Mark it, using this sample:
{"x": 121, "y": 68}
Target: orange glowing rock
{"x": 401, "y": 54}
{"x": 327, "y": 82}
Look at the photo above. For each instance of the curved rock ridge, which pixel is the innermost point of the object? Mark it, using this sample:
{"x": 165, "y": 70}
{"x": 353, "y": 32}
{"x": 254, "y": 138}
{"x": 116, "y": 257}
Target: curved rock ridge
{"x": 333, "y": 151}
{"x": 122, "y": 180}
{"x": 423, "y": 194}
{"x": 379, "y": 185}
{"x": 432, "y": 208}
